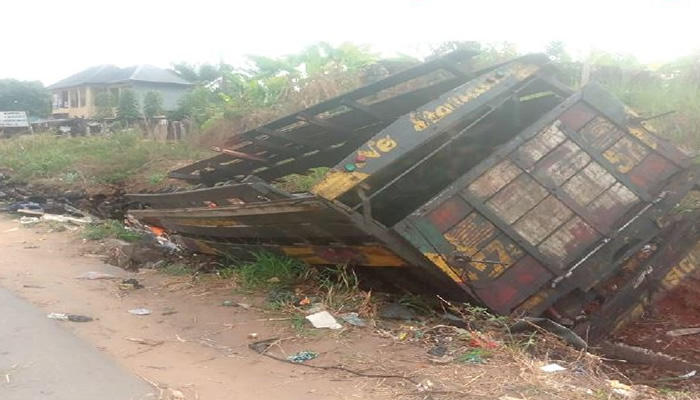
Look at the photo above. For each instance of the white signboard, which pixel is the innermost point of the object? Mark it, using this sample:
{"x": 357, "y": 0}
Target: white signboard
{"x": 13, "y": 119}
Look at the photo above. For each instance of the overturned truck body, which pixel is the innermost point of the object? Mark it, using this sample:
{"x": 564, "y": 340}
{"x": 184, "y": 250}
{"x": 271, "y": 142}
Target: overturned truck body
{"x": 497, "y": 185}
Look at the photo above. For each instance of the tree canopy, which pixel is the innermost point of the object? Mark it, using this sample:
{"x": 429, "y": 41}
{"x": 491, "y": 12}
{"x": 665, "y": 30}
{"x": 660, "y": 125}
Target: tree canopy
{"x": 29, "y": 96}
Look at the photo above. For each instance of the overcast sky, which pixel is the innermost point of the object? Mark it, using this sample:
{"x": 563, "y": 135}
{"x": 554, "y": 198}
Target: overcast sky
{"x": 48, "y": 40}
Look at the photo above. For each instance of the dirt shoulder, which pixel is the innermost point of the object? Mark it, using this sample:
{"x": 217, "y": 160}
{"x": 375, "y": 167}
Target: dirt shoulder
{"x": 194, "y": 345}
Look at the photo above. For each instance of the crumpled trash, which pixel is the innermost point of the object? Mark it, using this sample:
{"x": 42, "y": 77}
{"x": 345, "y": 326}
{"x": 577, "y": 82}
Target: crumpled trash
{"x": 621, "y": 389}
{"x": 29, "y": 220}
{"x": 69, "y": 317}
{"x": 438, "y": 351}
{"x": 683, "y": 332}
{"x": 24, "y": 205}
{"x": 353, "y": 319}
{"x": 66, "y": 218}
{"x": 472, "y": 357}
{"x": 552, "y": 368}
{"x": 130, "y": 284}
{"x": 93, "y": 275}
{"x": 140, "y": 311}
{"x": 230, "y": 303}
{"x": 323, "y": 319}
{"x": 302, "y": 356}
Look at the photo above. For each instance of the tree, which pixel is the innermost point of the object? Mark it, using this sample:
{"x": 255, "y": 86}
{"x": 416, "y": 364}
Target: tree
{"x": 29, "y": 96}
{"x": 128, "y": 108}
{"x": 104, "y": 103}
{"x": 153, "y": 104}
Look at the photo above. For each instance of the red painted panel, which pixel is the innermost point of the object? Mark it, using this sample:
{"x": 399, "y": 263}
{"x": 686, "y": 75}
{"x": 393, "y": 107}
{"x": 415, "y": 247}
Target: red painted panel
{"x": 515, "y": 285}
{"x": 577, "y": 116}
{"x": 651, "y": 171}
{"x": 449, "y": 213}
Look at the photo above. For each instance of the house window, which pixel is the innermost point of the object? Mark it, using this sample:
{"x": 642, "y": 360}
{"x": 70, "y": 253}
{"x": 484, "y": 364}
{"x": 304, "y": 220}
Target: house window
{"x": 63, "y": 99}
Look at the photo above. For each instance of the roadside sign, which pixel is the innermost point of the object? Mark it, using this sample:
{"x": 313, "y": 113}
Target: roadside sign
{"x": 13, "y": 119}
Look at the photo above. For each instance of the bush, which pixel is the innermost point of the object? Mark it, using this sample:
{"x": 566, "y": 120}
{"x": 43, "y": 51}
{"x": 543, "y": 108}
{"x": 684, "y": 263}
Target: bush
{"x": 110, "y": 229}
{"x": 89, "y": 161}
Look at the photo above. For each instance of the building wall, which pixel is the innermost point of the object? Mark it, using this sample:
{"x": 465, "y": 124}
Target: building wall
{"x": 80, "y": 102}
{"x": 171, "y": 93}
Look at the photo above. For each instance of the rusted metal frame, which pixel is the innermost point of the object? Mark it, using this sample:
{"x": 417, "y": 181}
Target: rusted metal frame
{"x": 183, "y": 176}
{"x": 375, "y": 87}
{"x": 289, "y": 136}
{"x": 238, "y": 154}
{"x": 323, "y": 123}
{"x": 399, "y": 246}
{"x": 504, "y": 97}
{"x": 623, "y": 123}
{"x": 201, "y": 164}
{"x": 512, "y": 234}
{"x": 595, "y": 265}
{"x": 367, "y": 110}
{"x": 681, "y": 238}
{"x": 612, "y": 170}
{"x": 452, "y": 68}
{"x": 552, "y": 81}
{"x": 279, "y": 206}
{"x": 284, "y": 151}
{"x": 559, "y": 193}
{"x": 244, "y": 191}
{"x": 283, "y": 136}
{"x": 407, "y": 226}
{"x": 498, "y": 155}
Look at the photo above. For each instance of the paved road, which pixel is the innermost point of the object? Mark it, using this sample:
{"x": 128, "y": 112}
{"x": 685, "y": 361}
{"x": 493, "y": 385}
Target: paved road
{"x": 43, "y": 360}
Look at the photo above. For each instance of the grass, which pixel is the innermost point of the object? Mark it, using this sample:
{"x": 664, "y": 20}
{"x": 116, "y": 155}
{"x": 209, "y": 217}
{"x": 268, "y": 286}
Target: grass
{"x": 270, "y": 271}
{"x": 302, "y": 183}
{"x": 109, "y": 229}
{"x": 94, "y": 160}
{"x": 177, "y": 269}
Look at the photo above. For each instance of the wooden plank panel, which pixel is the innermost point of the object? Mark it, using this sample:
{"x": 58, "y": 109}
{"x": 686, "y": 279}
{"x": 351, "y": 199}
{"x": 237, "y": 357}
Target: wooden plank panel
{"x": 625, "y": 154}
{"x": 502, "y": 253}
{"x": 494, "y": 179}
{"x": 601, "y": 133}
{"x": 536, "y": 148}
{"x": 449, "y": 213}
{"x": 542, "y": 220}
{"x": 514, "y": 200}
{"x": 561, "y": 163}
{"x": 588, "y": 184}
{"x": 309, "y": 230}
{"x": 515, "y": 285}
{"x": 566, "y": 243}
{"x": 652, "y": 171}
{"x": 471, "y": 234}
{"x": 612, "y": 204}
{"x": 577, "y": 116}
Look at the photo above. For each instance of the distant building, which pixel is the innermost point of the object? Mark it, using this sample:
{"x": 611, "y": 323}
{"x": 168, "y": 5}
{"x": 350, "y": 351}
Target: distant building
{"x": 75, "y": 96}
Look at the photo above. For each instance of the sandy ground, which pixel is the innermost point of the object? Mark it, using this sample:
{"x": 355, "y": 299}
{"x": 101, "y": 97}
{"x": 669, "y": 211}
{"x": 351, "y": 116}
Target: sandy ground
{"x": 201, "y": 348}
